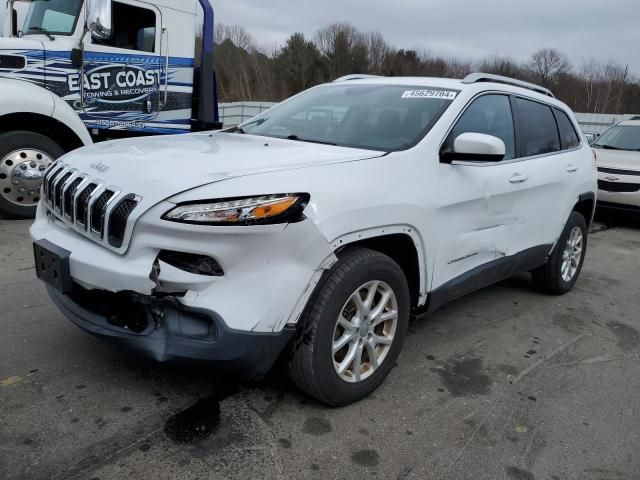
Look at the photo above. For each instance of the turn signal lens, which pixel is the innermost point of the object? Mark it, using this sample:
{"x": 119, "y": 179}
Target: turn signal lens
{"x": 278, "y": 208}
{"x": 275, "y": 208}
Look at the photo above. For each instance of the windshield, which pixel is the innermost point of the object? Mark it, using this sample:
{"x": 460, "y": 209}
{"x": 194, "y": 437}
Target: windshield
{"x": 620, "y": 137}
{"x": 57, "y": 17}
{"x": 373, "y": 117}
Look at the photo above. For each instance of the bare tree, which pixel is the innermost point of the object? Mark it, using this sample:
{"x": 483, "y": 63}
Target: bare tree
{"x": 378, "y": 49}
{"x": 344, "y": 49}
{"x": 501, "y": 65}
{"x": 548, "y": 65}
{"x": 236, "y": 34}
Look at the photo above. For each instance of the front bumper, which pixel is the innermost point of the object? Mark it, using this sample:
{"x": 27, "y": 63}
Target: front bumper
{"x": 619, "y": 191}
{"x": 269, "y": 270}
{"x": 164, "y": 330}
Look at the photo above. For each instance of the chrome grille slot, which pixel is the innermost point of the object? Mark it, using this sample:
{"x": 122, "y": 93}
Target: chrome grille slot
{"x": 118, "y": 219}
{"x": 98, "y": 211}
{"x": 82, "y": 204}
{"x": 92, "y": 208}
{"x": 57, "y": 191}
{"x": 67, "y": 197}
{"x": 49, "y": 182}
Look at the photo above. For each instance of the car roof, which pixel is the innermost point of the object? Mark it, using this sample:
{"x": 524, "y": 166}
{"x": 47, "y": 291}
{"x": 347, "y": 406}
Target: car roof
{"x": 630, "y": 123}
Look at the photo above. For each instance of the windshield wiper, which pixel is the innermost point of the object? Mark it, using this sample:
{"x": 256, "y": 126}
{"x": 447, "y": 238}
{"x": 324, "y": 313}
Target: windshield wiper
{"x": 308, "y": 140}
{"x": 42, "y": 30}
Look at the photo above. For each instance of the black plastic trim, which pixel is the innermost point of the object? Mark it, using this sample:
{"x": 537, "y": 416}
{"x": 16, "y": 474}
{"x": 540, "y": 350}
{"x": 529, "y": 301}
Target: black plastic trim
{"x": 52, "y": 265}
{"x": 12, "y": 62}
{"x": 619, "y": 171}
{"x": 488, "y": 274}
{"x": 248, "y": 353}
{"x": 618, "y": 206}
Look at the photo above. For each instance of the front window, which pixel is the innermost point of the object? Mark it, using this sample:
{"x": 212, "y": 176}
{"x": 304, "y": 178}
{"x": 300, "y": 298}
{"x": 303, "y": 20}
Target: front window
{"x": 53, "y": 17}
{"x": 620, "y": 137}
{"x": 375, "y": 117}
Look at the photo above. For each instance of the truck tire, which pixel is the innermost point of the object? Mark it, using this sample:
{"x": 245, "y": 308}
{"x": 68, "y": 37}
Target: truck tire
{"x": 24, "y": 157}
{"x": 563, "y": 268}
{"x": 353, "y": 329}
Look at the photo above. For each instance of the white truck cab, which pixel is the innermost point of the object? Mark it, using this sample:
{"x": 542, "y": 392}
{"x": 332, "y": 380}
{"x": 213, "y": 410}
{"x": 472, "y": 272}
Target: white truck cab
{"x": 317, "y": 227}
{"x": 76, "y": 72}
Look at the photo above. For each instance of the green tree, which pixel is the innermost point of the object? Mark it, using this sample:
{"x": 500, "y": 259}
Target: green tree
{"x": 299, "y": 65}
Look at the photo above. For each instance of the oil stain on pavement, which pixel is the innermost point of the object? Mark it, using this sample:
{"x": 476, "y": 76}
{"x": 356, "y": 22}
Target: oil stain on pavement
{"x": 464, "y": 377}
{"x": 200, "y": 420}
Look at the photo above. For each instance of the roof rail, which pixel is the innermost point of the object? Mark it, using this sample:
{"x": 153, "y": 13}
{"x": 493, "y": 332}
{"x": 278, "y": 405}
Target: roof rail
{"x": 488, "y": 77}
{"x": 355, "y": 76}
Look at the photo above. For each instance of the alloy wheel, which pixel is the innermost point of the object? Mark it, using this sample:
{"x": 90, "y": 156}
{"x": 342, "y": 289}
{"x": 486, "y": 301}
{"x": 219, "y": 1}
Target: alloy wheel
{"x": 364, "y": 331}
{"x": 572, "y": 254}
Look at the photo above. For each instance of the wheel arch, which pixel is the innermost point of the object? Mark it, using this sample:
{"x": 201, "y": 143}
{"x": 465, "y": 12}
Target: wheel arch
{"x": 43, "y": 125}
{"x": 403, "y": 244}
{"x": 586, "y": 206}
{"x": 32, "y": 108}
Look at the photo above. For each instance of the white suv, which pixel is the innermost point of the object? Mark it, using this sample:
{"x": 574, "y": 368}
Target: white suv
{"x": 318, "y": 227}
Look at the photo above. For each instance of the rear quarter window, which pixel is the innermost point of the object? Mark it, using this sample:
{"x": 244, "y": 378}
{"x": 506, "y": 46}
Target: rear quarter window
{"x": 568, "y": 135}
{"x": 537, "y": 131}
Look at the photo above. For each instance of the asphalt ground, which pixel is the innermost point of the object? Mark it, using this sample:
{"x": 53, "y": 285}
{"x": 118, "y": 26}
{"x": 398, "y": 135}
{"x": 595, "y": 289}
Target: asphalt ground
{"x": 506, "y": 383}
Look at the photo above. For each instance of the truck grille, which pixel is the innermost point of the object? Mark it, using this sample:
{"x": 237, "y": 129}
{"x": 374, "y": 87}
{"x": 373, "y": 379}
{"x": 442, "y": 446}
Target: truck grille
{"x": 618, "y": 187}
{"x": 97, "y": 211}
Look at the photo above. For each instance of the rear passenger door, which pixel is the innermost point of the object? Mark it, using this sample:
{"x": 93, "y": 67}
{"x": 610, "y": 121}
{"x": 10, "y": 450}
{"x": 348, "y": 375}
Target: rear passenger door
{"x": 546, "y": 185}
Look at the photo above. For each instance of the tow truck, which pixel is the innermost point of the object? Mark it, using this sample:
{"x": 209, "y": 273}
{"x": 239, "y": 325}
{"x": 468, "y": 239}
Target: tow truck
{"x": 79, "y": 72}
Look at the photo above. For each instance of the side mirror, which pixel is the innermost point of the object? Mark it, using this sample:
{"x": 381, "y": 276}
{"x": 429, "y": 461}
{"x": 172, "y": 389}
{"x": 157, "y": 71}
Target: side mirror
{"x": 99, "y": 20}
{"x": 475, "y": 147}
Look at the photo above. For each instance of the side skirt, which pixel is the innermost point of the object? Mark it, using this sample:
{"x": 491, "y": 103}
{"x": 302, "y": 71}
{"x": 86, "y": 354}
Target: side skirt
{"x": 488, "y": 274}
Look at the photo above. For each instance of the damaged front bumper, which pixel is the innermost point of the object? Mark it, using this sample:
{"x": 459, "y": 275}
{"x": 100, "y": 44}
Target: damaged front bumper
{"x": 164, "y": 330}
{"x": 241, "y": 317}
{"x": 268, "y": 271}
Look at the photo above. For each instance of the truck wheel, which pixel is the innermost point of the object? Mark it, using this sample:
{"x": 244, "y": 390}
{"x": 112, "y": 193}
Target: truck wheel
{"x": 353, "y": 330}
{"x": 24, "y": 157}
{"x": 563, "y": 268}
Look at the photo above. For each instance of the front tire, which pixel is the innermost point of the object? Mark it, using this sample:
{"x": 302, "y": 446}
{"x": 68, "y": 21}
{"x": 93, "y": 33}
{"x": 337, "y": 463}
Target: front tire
{"x": 353, "y": 329}
{"x": 24, "y": 157}
{"x": 561, "y": 272}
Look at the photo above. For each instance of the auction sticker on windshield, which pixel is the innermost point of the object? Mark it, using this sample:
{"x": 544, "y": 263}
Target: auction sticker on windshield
{"x": 445, "y": 94}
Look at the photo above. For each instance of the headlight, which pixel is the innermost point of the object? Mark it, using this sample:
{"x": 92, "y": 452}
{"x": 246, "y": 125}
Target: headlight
{"x": 279, "y": 208}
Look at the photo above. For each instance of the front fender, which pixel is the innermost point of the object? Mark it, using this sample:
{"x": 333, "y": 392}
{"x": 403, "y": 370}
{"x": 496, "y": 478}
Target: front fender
{"x": 17, "y": 96}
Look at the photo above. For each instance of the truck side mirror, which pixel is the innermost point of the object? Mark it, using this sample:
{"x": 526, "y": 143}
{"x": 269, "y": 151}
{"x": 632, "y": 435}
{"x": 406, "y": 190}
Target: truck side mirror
{"x": 99, "y": 20}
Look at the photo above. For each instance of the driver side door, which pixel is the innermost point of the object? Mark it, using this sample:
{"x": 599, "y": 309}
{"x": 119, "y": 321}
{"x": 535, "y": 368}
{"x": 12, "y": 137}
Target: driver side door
{"x": 122, "y": 75}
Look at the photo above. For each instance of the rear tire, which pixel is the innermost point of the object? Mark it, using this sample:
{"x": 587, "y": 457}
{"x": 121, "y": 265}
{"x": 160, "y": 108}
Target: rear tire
{"x": 561, "y": 272}
{"x": 354, "y": 304}
{"x": 24, "y": 156}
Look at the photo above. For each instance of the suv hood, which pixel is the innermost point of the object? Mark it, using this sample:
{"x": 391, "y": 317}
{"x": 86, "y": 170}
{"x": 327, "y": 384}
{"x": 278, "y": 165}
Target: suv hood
{"x": 620, "y": 159}
{"x": 157, "y": 168}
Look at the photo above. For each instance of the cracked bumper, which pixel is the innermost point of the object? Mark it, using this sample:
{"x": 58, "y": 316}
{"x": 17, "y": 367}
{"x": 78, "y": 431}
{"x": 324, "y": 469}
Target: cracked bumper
{"x": 174, "y": 332}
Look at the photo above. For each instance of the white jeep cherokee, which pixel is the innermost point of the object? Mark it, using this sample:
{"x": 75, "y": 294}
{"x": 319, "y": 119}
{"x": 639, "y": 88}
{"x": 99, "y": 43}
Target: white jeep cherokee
{"x": 318, "y": 227}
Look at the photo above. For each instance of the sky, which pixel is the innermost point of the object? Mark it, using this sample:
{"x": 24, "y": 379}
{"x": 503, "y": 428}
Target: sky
{"x": 603, "y": 30}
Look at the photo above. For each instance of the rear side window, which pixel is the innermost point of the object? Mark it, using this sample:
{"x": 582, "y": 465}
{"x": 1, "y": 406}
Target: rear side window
{"x": 537, "y": 129}
{"x": 491, "y": 115}
{"x": 568, "y": 135}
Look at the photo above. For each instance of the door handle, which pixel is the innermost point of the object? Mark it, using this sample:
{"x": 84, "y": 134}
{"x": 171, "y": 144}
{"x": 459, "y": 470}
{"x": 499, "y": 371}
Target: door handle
{"x": 572, "y": 168}
{"x": 519, "y": 178}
